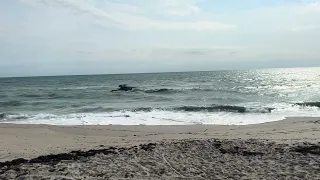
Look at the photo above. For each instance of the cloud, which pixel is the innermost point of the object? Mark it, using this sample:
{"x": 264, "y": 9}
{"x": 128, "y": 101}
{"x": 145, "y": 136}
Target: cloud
{"x": 156, "y": 34}
{"x": 312, "y": 7}
{"x": 172, "y": 54}
{"x": 121, "y": 7}
{"x": 306, "y": 28}
{"x": 276, "y": 19}
{"x": 181, "y": 7}
{"x": 128, "y": 18}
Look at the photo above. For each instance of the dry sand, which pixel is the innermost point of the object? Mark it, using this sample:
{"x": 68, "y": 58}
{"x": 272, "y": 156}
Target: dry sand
{"x": 288, "y": 149}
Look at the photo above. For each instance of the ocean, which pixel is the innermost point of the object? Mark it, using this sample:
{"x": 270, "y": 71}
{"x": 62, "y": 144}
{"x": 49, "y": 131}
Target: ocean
{"x": 218, "y": 97}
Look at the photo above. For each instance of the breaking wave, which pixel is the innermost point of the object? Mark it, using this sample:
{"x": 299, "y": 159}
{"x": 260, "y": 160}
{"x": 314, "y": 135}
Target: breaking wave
{"x": 212, "y": 108}
{"x": 224, "y": 108}
{"x": 309, "y": 104}
{"x": 12, "y": 117}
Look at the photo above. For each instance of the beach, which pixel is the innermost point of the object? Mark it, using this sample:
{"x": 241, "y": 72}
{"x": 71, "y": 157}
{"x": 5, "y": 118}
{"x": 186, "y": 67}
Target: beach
{"x": 159, "y": 90}
{"x": 287, "y": 149}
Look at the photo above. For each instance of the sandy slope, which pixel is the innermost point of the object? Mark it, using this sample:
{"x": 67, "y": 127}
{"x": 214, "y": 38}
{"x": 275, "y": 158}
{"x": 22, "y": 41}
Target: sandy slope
{"x": 255, "y": 151}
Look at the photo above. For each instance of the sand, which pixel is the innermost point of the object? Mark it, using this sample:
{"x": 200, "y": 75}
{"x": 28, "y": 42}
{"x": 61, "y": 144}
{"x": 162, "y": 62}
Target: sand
{"x": 288, "y": 149}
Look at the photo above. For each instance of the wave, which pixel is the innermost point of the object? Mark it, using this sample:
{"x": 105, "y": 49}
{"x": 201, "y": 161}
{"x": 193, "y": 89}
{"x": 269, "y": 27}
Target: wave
{"x": 49, "y": 95}
{"x": 179, "y": 115}
{"x": 38, "y": 103}
{"x": 30, "y": 95}
{"x": 96, "y": 109}
{"x": 11, "y": 103}
{"x": 229, "y": 99}
{"x": 142, "y": 109}
{"x": 151, "y": 91}
{"x": 224, "y": 108}
{"x": 309, "y": 104}
{"x": 11, "y": 116}
{"x": 167, "y": 90}
{"x": 2, "y": 116}
{"x": 81, "y": 88}
{"x": 162, "y": 90}
{"x": 211, "y": 108}
{"x": 66, "y": 96}
{"x": 186, "y": 90}
{"x": 108, "y": 109}
{"x": 3, "y": 96}
{"x": 55, "y": 96}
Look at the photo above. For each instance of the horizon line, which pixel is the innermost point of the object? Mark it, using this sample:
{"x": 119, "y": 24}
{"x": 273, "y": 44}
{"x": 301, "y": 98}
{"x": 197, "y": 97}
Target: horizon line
{"x": 63, "y": 75}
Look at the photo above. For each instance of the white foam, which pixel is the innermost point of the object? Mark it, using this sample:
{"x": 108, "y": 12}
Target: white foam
{"x": 158, "y": 117}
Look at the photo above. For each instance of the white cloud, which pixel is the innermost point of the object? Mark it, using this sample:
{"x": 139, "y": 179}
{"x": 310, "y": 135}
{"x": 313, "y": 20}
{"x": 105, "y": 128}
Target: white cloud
{"x": 127, "y": 17}
{"x": 181, "y": 7}
{"x": 312, "y": 7}
{"x": 121, "y": 7}
{"x": 170, "y": 54}
{"x": 276, "y": 19}
{"x": 306, "y": 28}
{"x": 158, "y": 31}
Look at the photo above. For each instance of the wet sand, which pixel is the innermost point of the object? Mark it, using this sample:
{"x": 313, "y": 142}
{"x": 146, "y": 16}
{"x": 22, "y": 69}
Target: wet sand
{"x": 288, "y": 149}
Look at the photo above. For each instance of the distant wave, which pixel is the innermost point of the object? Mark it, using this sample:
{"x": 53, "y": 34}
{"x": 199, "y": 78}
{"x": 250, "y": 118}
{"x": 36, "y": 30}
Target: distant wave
{"x": 42, "y": 95}
{"x": 201, "y": 89}
{"x": 310, "y": 104}
{"x": 3, "y": 96}
{"x": 54, "y": 95}
{"x": 185, "y": 90}
{"x": 31, "y": 95}
{"x": 167, "y": 90}
{"x": 11, "y": 103}
{"x": 68, "y": 96}
{"x": 162, "y": 90}
{"x": 81, "y": 88}
{"x": 235, "y": 99}
{"x": 15, "y": 103}
{"x": 38, "y": 103}
{"x": 147, "y": 109}
{"x": 96, "y": 109}
{"x": 158, "y": 91}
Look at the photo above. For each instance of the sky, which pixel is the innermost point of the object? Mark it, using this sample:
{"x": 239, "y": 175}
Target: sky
{"x": 66, "y": 37}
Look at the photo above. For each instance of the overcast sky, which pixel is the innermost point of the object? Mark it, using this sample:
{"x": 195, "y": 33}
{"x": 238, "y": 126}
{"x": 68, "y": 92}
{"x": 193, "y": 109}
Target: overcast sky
{"x": 55, "y": 37}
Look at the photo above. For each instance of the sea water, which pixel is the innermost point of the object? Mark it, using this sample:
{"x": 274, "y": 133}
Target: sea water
{"x": 218, "y": 97}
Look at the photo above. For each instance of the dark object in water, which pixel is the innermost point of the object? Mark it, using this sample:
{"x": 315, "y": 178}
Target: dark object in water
{"x": 2, "y": 115}
{"x": 124, "y": 87}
